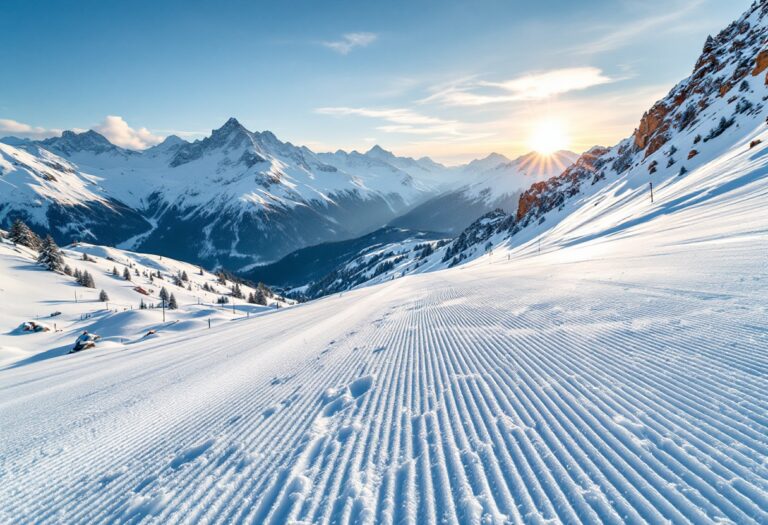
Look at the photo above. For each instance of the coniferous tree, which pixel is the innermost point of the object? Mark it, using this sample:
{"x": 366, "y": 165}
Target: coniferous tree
{"x": 184, "y": 276}
{"x": 264, "y": 288}
{"x": 20, "y": 233}
{"x": 172, "y": 304}
{"x": 260, "y": 297}
{"x": 86, "y": 279}
{"x": 142, "y": 305}
{"x": 163, "y": 294}
{"x": 50, "y": 255}
{"x": 103, "y": 296}
{"x": 251, "y": 298}
{"x": 67, "y": 269}
{"x": 237, "y": 291}
{"x": 126, "y": 274}
{"x": 114, "y": 271}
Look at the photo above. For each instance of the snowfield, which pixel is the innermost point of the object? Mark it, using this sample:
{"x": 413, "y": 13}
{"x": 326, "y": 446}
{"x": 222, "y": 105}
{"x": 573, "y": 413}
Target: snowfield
{"x": 618, "y": 376}
{"x": 598, "y": 357}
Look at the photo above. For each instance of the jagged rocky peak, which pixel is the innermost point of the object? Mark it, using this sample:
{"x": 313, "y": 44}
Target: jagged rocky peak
{"x": 232, "y": 135}
{"x": 379, "y": 153}
{"x": 730, "y": 63}
{"x": 71, "y": 142}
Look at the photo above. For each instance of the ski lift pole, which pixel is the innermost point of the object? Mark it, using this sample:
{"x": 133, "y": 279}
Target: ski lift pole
{"x": 651, "y": 185}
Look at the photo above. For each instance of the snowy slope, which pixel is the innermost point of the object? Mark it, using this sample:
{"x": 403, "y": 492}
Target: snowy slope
{"x": 619, "y": 379}
{"x": 30, "y": 293}
{"x": 605, "y": 359}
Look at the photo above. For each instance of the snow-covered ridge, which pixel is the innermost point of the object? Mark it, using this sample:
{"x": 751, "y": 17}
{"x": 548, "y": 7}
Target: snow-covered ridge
{"x": 29, "y": 293}
{"x": 235, "y": 198}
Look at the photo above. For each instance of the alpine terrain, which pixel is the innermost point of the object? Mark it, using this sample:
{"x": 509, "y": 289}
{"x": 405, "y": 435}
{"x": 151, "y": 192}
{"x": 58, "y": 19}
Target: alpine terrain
{"x": 591, "y": 347}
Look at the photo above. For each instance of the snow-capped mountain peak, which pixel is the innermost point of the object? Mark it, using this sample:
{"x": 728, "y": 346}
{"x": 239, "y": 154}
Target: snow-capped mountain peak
{"x": 70, "y": 143}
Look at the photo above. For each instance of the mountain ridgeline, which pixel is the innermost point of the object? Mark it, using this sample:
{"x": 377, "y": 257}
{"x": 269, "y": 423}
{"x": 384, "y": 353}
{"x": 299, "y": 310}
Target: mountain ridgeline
{"x": 239, "y": 198}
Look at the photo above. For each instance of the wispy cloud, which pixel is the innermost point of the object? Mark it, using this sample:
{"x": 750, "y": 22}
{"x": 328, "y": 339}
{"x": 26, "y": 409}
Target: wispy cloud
{"x": 617, "y": 37}
{"x": 20, "y": 129}
{"x": 531, "y": 86}
{"x": 349, "y": 41}
{"x": 407, "y": 121}
{"x": 117, "y": 130}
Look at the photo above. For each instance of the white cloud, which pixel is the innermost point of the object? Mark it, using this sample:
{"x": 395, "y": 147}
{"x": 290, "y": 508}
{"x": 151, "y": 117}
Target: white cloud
{"x": 532, "y": 86}
{"x": 349, "y": 41}
{"x": 19, "y": 129}
{"x": 118, "y": 132}
{"x": 408, "y": 122}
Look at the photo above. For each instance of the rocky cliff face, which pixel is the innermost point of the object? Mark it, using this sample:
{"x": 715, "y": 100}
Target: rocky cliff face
{"x": 722, "y": 100}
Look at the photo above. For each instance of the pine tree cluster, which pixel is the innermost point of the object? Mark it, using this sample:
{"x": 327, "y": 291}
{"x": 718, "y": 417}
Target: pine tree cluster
{"x": 21, "y": 234}
{"x": 50, "y": 255}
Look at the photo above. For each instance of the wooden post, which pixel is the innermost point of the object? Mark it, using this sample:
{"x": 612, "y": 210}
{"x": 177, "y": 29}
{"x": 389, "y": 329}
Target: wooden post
{"x": 651, "y": 184}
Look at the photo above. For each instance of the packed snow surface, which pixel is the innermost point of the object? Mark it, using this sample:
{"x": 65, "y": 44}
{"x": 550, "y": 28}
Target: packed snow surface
{"x": 619, "y": 375}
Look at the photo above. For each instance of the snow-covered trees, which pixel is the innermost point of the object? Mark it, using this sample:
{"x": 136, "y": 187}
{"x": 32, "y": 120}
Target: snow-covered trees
{"x": 50, "y": 255}
{"x": 164, "y": 296}
{"x": 237, "y": 291}
{"x": 84, "y": 278}
{"x": 21, "y": 234}
{"x": 172, "y": 304}
{"x": 114, "y": 271}
{"x": 126, "y": 274}
{"x": 103, "y": 296}
{"x": 184, "y": 276}
{"x": 260, "y": 297}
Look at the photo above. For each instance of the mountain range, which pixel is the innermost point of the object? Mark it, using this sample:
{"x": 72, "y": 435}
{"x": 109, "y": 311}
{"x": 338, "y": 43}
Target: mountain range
{"x": 238, "y": 198}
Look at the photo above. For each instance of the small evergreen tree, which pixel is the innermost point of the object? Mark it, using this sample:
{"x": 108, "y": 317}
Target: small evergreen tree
{"x": 260, "y": 297}
{"x": 67, "y": 269}
{"x": 86, "y": 279}
{"x": 184, "y": 276}
{"x": 251, "y": 298}
{"x": 163, "y": 294}
{"x": 114, "y": 271}
{"x": 50, "y": 255}
{"x": 264, "y": 288}
{"x": 237, "y": 291}
{"x": 142, "y": 304}
{"x": 20, "y": 233}
{"x": 126, "y": 274}
{"x": 172, "y": 304}
{"x": 103, "y": 296}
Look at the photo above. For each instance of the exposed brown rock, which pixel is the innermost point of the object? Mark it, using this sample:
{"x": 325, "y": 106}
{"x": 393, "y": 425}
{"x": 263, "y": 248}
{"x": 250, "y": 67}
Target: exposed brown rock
{"x": 692, "y": 154}
{"x": 650, "y": 122}
{"x": 761, "y": 62}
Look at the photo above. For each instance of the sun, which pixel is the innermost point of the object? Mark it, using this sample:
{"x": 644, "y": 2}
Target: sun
{"x": 549, "y": 136}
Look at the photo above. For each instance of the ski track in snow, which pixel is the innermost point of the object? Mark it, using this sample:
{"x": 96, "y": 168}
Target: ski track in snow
{"x": 460, "y": 396}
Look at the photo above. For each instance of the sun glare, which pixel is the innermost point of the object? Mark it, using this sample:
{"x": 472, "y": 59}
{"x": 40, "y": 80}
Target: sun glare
{"x": 549, "y": 136}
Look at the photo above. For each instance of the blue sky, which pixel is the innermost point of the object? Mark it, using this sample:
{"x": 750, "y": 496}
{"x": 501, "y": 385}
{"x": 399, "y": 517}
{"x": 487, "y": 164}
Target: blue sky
{"x": 453, "y": 80}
